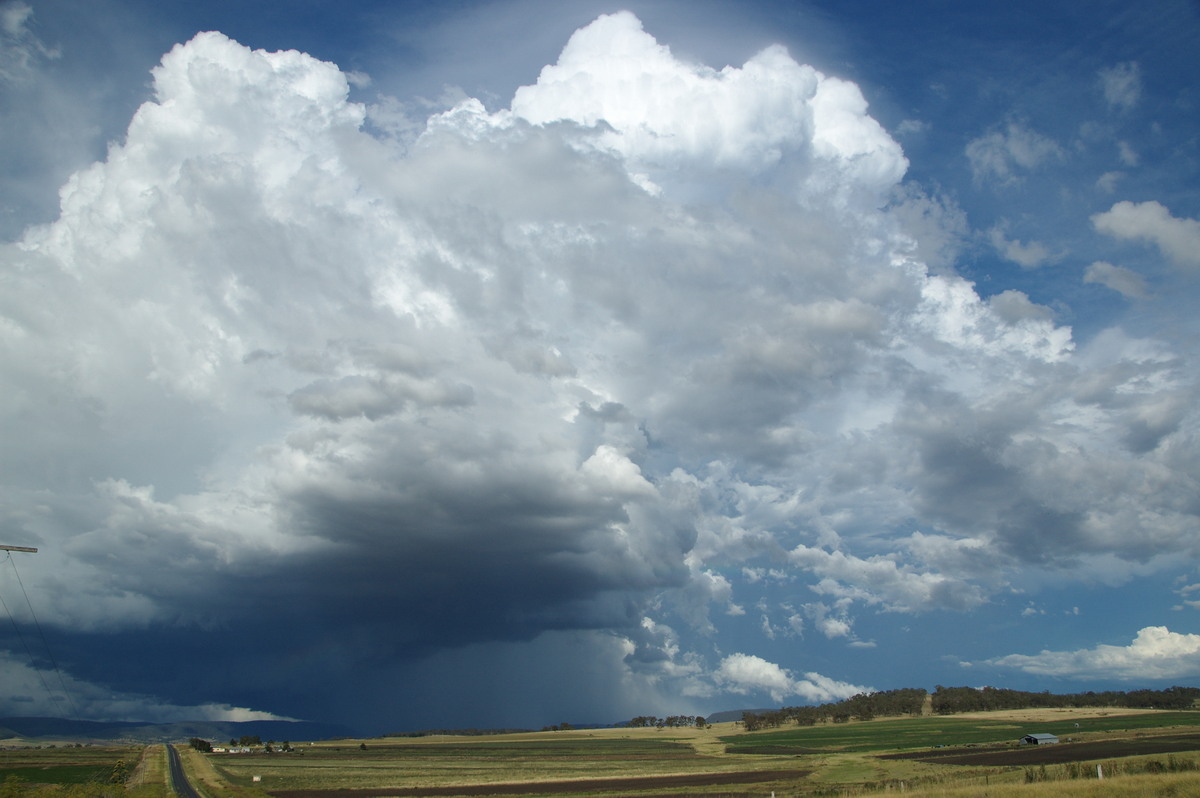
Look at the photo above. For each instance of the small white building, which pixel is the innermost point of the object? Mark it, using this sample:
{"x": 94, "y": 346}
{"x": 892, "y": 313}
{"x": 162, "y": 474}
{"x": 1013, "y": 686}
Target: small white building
{"x": 1039, "y": 739}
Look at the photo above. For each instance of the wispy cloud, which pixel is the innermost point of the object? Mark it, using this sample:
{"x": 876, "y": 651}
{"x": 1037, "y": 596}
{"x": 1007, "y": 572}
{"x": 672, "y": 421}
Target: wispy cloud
{"x": 1031, "y": 255}
{"x": 1006, "y": 155}
{"x": 1122, "y": 85}
{"x": 1124, "y": 281}
{"x": 22, "y": 50}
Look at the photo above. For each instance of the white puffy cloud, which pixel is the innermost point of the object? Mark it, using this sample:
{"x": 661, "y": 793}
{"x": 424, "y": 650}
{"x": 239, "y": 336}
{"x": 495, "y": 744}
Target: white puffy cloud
{"x": 881, "y": 580}
{"x": 660, "y": 113}
{"x": 1123, "y": 281}
{"x": 830, "y": 622}
{"x": 746, "y": 673}
{"x": 1155, "y": 653}
{"x": 1178, "y": 239}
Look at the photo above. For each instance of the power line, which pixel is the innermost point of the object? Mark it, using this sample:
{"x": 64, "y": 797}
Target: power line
{"x": 37, "y": 625}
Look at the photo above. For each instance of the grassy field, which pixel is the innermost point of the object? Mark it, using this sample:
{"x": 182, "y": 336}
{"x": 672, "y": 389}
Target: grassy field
{"x": 835, "y": 759}
{"x": 441, "y": 761}
{"x": 67, "y": 765}
{"x": 929, "y": 732}
{"x": 150, "y": 778}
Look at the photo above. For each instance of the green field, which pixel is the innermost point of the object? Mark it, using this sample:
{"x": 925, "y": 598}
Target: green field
{"x": 66, "y": 765}
{"x": 929, "y": 732}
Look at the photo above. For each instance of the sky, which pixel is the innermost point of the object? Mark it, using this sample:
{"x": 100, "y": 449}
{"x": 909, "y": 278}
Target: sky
{"x": 502, "y": 364}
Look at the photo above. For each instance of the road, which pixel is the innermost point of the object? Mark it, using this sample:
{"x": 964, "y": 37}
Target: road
{"x": 178, "y": 778}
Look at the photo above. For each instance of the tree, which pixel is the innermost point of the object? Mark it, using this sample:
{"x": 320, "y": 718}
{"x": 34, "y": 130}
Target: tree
{"x": 201, "y": 745}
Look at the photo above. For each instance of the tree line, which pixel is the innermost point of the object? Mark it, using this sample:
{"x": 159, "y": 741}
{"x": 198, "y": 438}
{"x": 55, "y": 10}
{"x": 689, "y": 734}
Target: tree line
{"x": 863, "y": 706}
{"x": 951, "y": 700}
{"x": 671, "y": 722}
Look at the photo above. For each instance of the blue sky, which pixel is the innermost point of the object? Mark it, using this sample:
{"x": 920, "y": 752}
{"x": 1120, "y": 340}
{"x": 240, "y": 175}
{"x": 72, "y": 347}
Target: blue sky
{"x": 502, "y": 364}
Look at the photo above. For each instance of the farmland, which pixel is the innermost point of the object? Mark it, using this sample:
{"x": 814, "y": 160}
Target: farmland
{"x": 67, "y": 765}
{"x": 1153, "y": 751}
{"x": 562, "y": 762}
{"x": 959, "y": 730}
{"x": 914, "y": 754}
{"x": 75, "y": 771}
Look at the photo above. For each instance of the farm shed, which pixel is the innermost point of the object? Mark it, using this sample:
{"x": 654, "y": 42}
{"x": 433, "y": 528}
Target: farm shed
{"x": 1039, "y": 739}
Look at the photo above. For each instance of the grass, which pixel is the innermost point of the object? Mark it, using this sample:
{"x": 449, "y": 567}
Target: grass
{"x": 439, "y": 761}
{"x": 209, "y": 781}
{"x": 1161, "y": 786}
{"x": 66, "y": 765}
{"x": 834, "y": 759}
{"x": 151, "y": 778}
{"x": 929, "y": 732}
{"x": 842, "y": 758}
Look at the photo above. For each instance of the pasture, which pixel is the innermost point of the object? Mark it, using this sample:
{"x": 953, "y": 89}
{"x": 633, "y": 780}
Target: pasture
{"x": 68, "y": 765}
{"x": 911, "y": 754}
{"x": 577, "y": 762}
{"x": 952, "y": 730}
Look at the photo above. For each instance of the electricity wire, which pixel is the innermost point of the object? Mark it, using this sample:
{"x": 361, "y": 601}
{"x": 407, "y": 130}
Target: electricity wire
{"x": 45, "y": 643}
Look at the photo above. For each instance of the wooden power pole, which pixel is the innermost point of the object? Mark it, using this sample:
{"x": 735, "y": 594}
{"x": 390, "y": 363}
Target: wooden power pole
{"x": 18, "y": 548}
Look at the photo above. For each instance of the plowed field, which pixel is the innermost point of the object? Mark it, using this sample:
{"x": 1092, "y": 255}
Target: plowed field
{"x": 1059, "y": 753}
{"x": 637, "y": 783}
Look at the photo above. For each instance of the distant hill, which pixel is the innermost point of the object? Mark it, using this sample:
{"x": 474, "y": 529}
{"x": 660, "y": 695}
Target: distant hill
{"x": 61, "y": 729}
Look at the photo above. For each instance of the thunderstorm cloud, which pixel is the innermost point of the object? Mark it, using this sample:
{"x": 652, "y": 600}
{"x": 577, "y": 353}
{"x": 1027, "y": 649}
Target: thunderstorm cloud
{"x": 546, "y": 375}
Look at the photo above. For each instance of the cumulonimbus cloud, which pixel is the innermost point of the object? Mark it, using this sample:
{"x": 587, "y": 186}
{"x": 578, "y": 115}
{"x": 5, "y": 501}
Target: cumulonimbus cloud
{"x": 543, "y": 369}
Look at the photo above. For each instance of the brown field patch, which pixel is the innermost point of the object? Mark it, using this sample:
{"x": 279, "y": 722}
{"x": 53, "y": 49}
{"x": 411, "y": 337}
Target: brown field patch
{"x": 1059, "y": 753}
{"x": 561, "y": 787}
{"x": 1052, "y": 714}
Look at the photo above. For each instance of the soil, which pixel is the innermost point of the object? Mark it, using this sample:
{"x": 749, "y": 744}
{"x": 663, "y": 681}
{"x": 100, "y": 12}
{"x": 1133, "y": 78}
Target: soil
{"x": 1060, "y": 752}
{"x": 561, "y": 787}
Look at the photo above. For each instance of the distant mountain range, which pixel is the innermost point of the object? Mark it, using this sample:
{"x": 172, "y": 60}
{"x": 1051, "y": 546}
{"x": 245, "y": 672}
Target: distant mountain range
{"x": 216, "y": 731}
